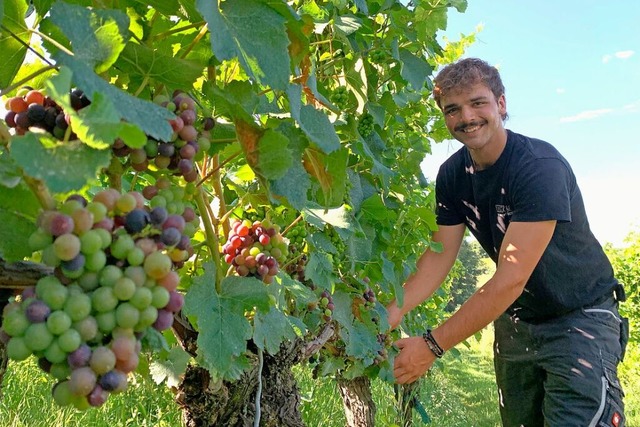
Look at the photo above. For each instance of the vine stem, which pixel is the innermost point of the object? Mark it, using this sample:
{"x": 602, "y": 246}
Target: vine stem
{"x": 256, "y": 420}
{"x": 162, "y": 35}
{"x": 195, "y": 41}
{"x": 26, "y": 79}
{"x": 210, "y": 234}
{"x": 144, "y": 83}
{"x": 217, "y": 168}
{"x": 290, "y": 226}
{"x": 41, "y": 192}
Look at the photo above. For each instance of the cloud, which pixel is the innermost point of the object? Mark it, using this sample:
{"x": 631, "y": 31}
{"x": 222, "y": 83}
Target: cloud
{"x": 586, "y": 115}
{"x": 622, "y": 54}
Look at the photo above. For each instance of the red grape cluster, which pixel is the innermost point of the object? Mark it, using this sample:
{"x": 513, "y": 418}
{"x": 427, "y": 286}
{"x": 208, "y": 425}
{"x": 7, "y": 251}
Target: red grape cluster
{"x": 31, "y": 108}
{"x": 255, "y": 249}
{"x": 181, "y": 152}
{"x": 114, "y": 278}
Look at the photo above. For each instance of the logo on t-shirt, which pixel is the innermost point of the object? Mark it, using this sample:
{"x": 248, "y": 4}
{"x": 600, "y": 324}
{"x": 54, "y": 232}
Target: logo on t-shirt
{"x": 503, "y": 210}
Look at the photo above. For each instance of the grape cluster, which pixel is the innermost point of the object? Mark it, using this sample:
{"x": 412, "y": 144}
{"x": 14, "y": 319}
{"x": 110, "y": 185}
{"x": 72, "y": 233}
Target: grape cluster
{"x": 255, "y": 249}
{"x": 338, "y": 243}
{"x": 176, "y": 200}
{"x": 178, "y": 155}
{"x": 114, "y": 278}
{"x": 32, "y": 108}
{"x": 369, "y": 297}
{"x": 365, "y": 125}
{"x": 385, "y": 341}
{"x": 326, "y": 305}
{"x": 377, "y": 56}
{"x": 340, "y": 98}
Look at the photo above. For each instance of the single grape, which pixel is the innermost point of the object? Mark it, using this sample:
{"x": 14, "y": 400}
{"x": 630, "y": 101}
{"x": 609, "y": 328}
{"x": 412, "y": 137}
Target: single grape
{"x": 37, "y": 311}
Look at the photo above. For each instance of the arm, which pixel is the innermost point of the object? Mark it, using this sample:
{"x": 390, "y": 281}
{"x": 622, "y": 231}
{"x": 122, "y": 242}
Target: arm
{"x": 522, "y": 247}
{"x": 432, "y": 269}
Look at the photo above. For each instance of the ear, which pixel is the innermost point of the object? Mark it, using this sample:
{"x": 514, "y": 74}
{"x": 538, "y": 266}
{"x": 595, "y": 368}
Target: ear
{"x": 502, "y": 105}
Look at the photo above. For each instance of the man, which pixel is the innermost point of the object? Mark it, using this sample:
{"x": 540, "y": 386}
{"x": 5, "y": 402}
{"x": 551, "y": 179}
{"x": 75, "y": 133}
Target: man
{"x": 553, "y": 298}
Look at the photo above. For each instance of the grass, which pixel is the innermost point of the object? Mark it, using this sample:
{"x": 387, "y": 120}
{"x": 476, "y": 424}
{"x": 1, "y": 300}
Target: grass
{"x": 460, "y": 393}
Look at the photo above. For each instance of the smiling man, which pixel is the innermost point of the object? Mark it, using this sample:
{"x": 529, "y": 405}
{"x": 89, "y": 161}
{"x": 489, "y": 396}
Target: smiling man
{"x": 553, "y": 298}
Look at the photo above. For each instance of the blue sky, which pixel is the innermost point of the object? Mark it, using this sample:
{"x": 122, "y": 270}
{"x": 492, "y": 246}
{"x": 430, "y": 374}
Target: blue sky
{"x": 571, "y": 69}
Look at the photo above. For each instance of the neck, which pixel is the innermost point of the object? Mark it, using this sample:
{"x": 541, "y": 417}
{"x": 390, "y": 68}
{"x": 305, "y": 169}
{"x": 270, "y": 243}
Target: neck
{"x": 487, "y": 155}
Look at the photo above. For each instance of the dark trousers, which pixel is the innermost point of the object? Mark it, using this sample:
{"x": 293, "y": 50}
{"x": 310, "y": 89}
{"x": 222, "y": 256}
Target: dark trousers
{"x": 562, "y": 372}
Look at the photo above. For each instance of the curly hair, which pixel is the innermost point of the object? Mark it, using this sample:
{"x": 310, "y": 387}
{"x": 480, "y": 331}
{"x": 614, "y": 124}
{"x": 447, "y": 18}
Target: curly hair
{"x": 465, "y": 73}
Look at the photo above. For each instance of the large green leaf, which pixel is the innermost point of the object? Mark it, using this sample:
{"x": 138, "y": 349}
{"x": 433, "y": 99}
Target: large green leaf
{"x": 223, "y": 330}
{"x": 97, "y": 36}
{"x": 63, "y": 167}
{"x": 415, "y": 70}
{"x": 152, "y": 119}
{"x": 272, "y": 329}
{"x": 97, "y": 125}
{"x": 12, "y": 52}
{"x": 318, "y": 128}
{"x": 146, "y": 62}
{"x": 254, "y": 33}
{"x": 10, "y": 174}
{"x": 274, "y": 156}
{"x": 18, "y": 210}
{"x": 319, "y": 270}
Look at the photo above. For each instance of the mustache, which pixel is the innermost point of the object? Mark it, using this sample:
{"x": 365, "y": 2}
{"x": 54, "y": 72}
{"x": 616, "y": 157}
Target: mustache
{"x": 461, "y": 127}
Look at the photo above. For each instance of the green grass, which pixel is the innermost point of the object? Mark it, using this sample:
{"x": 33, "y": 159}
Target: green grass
{"x": 460, "y": 393}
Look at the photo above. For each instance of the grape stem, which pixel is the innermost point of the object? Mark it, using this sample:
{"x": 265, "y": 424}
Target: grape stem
{"x": 211, "y": 236}
{"x": 41, "y": 192}
{"x": 293, "y": 224}
{"x": 217, "y": 168}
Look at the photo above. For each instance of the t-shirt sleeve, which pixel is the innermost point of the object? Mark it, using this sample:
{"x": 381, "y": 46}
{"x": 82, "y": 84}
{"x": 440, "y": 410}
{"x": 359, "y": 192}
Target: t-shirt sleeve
{"x": 542, "y": 191}
{"x": 446, "y": 212}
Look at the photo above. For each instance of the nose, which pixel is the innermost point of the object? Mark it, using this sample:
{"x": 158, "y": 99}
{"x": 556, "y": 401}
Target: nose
{"x": 466, "y": 113}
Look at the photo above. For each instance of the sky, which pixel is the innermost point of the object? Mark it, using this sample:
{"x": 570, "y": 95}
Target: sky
{"x": 571, "y": 70}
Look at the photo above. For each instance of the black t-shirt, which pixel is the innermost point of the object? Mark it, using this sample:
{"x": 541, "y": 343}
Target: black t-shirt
{"x": 529, "y": 182}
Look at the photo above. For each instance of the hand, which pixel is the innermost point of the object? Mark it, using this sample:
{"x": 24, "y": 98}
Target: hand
{"x": 414, "y": 360}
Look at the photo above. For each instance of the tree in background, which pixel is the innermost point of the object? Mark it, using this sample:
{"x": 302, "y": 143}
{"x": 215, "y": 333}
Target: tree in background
{"x": 626, "y": 265}
{"x": 470, "y": 265}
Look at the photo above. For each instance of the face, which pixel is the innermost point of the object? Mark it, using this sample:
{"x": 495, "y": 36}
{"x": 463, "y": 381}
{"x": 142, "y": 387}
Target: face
{"x": 473, "y": 115}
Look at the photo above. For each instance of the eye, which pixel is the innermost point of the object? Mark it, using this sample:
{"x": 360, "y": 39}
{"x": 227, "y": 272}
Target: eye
{"x": 450, "y": 111}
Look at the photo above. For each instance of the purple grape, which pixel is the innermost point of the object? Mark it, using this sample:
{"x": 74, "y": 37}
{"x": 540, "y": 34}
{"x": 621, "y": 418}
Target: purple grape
{"x": 75, "y": 264}
{"x": 188, "y": 117}
{"x": 158, "y": 215}
{"x": 176, "y": 221}
{"x": 37, "y": 311}
{"x": 61, "y": 224}
{"x": 22, "y": 120}
{"x": 164, "y": 320}
{"x": 10, "y": 119}
{"x": 61, "y": 121}
{"x": 176, "y": 301}
{"x": 171, "y": 236}
{"x": 185, "y": 166}
{"x": 28, "y": 292}
{"x": 209, "y": 123}
{"x": 112, "y": 380}
{"x": 166, "y": 149}
{"x": 36, "y": 113}
{"x": 184, "y": 243}
{"x": 79, "y": 357}
{"x": 98, "y": 396}
{"x": 136, "y": 220}
{"x": 261, "y": 258}
{"x": 271, "y": 262}
{"x": 50, "y": 117}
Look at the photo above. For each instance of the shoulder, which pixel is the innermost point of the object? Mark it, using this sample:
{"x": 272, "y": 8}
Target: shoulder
{"x": 533, "y": 148}
{"x": 455, "y": 162}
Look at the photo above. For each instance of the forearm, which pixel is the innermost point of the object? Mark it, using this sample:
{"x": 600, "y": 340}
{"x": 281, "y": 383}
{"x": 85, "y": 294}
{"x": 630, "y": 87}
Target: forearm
{"x": 482, "y": 308}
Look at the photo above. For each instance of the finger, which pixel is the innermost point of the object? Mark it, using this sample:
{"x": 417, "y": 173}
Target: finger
{"x": 401, "y": 343}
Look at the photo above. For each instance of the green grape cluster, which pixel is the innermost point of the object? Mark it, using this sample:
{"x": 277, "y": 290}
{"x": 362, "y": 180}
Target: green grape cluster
{"x": 340, "y": 97}
{"x": 377, "y": 56}
{"x": 365, "y": 125}
{"x": 114, "y": 263}
{"x": 255, "y": 249}
{"x": 338, "y": 243}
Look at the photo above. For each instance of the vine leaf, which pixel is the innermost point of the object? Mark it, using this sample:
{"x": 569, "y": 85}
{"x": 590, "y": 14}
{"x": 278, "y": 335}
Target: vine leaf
{"x": 319, "y": 270}
{"x": 18, "y": 210}
{"x": 152, "y": 119}
{"x": 254, "y": 33}
{"x": 415, "y": 70}
{"x": 97, "y": 36}
{"x": 12, "y": 52}
{"x": 170, "y": 368}
{"x": 10, "y": 174}
{"x": 63, "y": 167}
{"x": 97, "y": 125}
{"x": 274, "y": 156}
{"x": 173, "y": 72}
{"x": 271, "y": 329}
{"x": 330, "y": 171}
{"x": 223, "y": 328}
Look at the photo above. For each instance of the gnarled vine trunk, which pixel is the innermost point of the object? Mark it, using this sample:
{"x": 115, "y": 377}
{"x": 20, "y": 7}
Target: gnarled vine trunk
{"x": 234, "y": 404}
{"x": 358, "y": 404}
